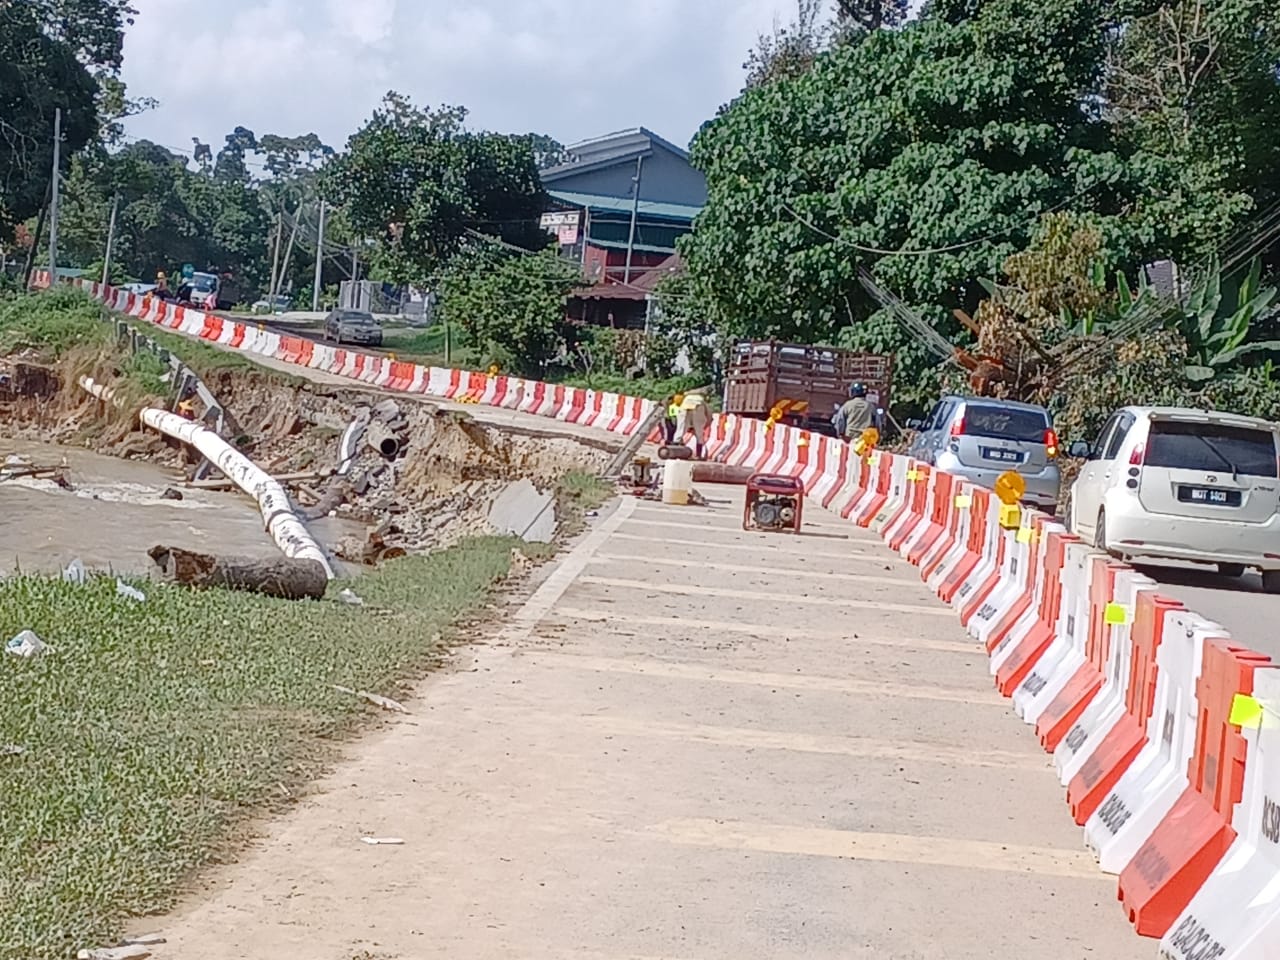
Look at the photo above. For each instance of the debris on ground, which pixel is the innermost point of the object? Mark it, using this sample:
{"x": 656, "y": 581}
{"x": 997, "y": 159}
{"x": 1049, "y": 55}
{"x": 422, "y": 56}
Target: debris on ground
{"x": 349, "y": 597}
{"x": 144, "y": 940}
{"x": 278, "y": 576}
{"x": 27, "y": 644}
{"x": 386, "y": 703}
{"x": 129, "y": 593}
{"x": 76, "y": 573}
{"x": 171, "y": 493}
{"x": 382, "y": 841}
{"x": 11, "y": 750}
{"x": 130, "y": 951}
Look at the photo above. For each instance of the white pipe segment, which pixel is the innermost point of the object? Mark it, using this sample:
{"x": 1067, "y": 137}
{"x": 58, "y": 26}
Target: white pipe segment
{"x": 100, "y": 390}
{"x": 285, "y": 527}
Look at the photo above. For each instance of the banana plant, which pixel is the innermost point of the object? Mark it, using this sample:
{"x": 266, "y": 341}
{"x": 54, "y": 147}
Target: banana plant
{"x": 1217, "y": 331}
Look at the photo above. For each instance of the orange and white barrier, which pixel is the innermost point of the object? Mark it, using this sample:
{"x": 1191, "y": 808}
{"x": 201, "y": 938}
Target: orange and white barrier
{"x": 1165, "y": 734}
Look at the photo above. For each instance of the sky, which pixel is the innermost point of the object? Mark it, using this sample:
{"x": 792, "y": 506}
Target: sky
{"x": 572, "y": 69}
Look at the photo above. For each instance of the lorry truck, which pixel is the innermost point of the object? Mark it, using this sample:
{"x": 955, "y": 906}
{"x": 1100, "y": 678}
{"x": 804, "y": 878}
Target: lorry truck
{"x": 807, "y": 384}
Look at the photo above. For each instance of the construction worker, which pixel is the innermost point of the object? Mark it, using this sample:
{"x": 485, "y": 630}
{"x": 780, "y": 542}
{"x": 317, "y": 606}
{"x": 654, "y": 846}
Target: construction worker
{"x": 669, "y": 420}
{"x": 857, "y": 414}
{"x": 694, "y": 415}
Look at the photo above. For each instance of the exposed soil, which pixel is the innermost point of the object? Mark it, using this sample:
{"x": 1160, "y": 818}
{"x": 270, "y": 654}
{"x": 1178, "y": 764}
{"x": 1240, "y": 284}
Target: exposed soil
{"x": 437, "y": 489}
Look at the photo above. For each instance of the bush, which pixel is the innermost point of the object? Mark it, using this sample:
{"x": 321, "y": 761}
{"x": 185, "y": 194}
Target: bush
{"x": 51, "y": 323}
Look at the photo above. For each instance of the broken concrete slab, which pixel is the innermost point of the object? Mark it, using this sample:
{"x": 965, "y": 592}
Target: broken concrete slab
{"x": 524, "y": 511}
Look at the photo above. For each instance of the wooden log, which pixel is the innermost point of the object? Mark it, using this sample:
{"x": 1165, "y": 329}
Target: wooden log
{"x": 277, "y": 577}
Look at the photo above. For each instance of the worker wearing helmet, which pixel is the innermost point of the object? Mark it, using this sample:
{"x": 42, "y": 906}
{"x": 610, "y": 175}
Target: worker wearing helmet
{"x": 857, "y": 414}
{"x": 694, "y": 416}
{"x": 670, "y": 417}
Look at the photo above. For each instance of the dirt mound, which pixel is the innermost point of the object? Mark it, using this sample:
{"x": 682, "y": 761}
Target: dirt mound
{"x": 438, "y": 488}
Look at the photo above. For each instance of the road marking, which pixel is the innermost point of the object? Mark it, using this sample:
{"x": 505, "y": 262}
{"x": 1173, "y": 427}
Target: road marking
{"x": 779, "y": 545}
{"x": 773, "y": 571}
{"x": 693, "y": 590}
{"x": 762, "y": 631}
{"x": 882, "y": 847}
{"x": 866, "y": 748}
{"x": 523, "y": 622}
{"x": 755, "y": 678}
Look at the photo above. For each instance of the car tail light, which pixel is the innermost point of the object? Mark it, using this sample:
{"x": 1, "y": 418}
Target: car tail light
{"x": 1050, "y": 444}
{"x": 957, "y": 428}
{"x": 1138, "y": 455}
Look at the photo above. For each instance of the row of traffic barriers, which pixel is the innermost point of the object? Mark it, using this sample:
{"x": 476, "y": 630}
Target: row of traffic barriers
{"x": 1165, "y": 734}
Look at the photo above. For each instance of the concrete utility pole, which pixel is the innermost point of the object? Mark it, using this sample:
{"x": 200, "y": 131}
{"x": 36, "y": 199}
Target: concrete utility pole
{"x": 275, "y": 257}
{"x": 635, "y": 212}
{"x": 111, "y": 239}
{"x": 355, "y": 264}
{"x": 53, "y": 196}
{"x": 315, "y": 290}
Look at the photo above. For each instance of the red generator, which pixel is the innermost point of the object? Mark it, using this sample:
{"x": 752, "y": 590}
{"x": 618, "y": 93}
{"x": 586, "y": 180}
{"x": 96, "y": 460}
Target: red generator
{"x": 774, "y": 503}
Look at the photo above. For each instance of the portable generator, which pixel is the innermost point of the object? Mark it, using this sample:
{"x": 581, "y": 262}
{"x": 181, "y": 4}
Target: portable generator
{"x": 774, "y": 503}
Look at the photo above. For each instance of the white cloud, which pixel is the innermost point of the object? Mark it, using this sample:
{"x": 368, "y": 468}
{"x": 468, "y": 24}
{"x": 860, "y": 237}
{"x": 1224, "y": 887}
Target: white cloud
{"x": 569, "y": 68}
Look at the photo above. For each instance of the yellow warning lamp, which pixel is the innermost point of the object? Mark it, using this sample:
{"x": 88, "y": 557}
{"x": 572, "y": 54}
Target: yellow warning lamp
{"x": 867, "y": 441}
{"x": 493, "y": 369}
{"x": 1010, "y": 487}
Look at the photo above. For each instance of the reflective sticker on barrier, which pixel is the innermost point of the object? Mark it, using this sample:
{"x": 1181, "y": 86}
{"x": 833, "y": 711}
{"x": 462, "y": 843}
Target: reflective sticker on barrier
{"x": 964, "y": 501}
{"x": 1246, "y": 711}
{"x": 1024, "y": 535}
{"x": 913, "y": 475}
{"x": 1117, "y": 615}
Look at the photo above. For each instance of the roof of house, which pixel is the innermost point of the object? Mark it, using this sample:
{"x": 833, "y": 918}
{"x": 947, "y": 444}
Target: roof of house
{"x": 613, "y": 148}
{"x": 650, "y": 208}
{"x": 653, "y": 276}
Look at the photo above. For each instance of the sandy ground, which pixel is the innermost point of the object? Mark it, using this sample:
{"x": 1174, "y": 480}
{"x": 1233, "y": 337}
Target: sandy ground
{"x": 689, "y": 743}
{"x": 116, "y": 513}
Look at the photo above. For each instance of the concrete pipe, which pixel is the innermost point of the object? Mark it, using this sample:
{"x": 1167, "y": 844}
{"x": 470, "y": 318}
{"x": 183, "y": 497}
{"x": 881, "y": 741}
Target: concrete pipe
{"x": 382, "y": 440}
{"x": 675, "y": 452}
{"x": 721, "y": 473}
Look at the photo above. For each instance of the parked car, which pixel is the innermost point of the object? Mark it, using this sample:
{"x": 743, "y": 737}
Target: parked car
{"x": 353, "y": 326}
{"x": 980, "y": 438}
{"x": 1180, "y": 484}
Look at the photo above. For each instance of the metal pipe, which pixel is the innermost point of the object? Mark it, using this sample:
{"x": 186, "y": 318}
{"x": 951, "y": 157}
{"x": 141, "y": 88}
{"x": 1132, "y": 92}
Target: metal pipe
{"x": 284, "y": 525}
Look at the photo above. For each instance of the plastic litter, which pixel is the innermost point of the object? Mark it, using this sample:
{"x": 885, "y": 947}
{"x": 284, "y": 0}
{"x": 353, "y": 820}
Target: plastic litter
{"x": 145, "y": 940}
{"x": 386, "y": 703}
{"x": 127, "y": 952}
{"x": 349, "y": 596}
{"x": 76, "y": 573}
{"x": 27, "y": 644}
{"x": 132, "y": 593}
{"x": 11, "y": 750}
{"x": 382, "y": 841}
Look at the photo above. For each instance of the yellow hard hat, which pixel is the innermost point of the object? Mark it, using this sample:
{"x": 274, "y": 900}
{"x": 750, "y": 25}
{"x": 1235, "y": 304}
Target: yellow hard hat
{"x": 678, "y": 398}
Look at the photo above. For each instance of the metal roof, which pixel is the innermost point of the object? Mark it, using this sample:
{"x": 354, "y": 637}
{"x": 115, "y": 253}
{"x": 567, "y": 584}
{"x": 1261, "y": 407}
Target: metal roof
{"x": 614, "y": 148}
{"x": 650, "y": 208}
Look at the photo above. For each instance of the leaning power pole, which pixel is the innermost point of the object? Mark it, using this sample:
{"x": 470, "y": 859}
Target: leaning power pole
{"x": 111, "y": 239}
{"x": 53, "y": 195}
{"x": 315, "y": 289}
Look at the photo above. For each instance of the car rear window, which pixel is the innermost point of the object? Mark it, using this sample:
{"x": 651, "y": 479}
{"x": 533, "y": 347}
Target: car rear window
{"x": 1004, "y": 423}
{"x": 1187, "y": 445}
{"x": 357, "y": 318}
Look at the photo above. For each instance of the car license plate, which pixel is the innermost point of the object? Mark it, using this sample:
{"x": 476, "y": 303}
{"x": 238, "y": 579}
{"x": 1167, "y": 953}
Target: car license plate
{"x": 1212, "y": 496}
{"x": 1003, "y": 456}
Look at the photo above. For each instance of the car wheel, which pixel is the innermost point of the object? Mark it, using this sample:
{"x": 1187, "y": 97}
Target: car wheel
{"x": 1231, "y": 569}
{"x": 1271, "y": 581}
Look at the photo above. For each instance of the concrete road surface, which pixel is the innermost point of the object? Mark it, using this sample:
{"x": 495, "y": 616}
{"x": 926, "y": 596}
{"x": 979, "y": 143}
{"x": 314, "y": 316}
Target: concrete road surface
{"x": 690, "y": 743}
{"x": 1239, "y": 604}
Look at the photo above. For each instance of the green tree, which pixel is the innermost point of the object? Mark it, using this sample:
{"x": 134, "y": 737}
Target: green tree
{"x": 512, "y": 307}
{"x": 51, "y": 53}
{"x": 419, "y": 181}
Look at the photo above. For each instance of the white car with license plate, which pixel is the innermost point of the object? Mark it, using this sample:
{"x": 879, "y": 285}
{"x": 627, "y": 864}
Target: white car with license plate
{"x": 1180, "y": 484}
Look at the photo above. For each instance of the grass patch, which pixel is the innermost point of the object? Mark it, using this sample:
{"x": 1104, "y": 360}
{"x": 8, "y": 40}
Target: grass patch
{"x": 426, "y": 346}
{"x": 154, "y": 728}
{"x": 52, "y": 323}
{"x": 577, "y": 494}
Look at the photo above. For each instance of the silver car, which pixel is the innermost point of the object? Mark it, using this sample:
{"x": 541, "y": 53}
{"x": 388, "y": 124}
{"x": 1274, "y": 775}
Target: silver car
{"x": 978, "y": 438}
{"x": 353, "y": 326}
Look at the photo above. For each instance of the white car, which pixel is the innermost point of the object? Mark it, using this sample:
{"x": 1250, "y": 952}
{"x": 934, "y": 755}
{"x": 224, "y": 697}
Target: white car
{"x": 1180, "y": 484}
